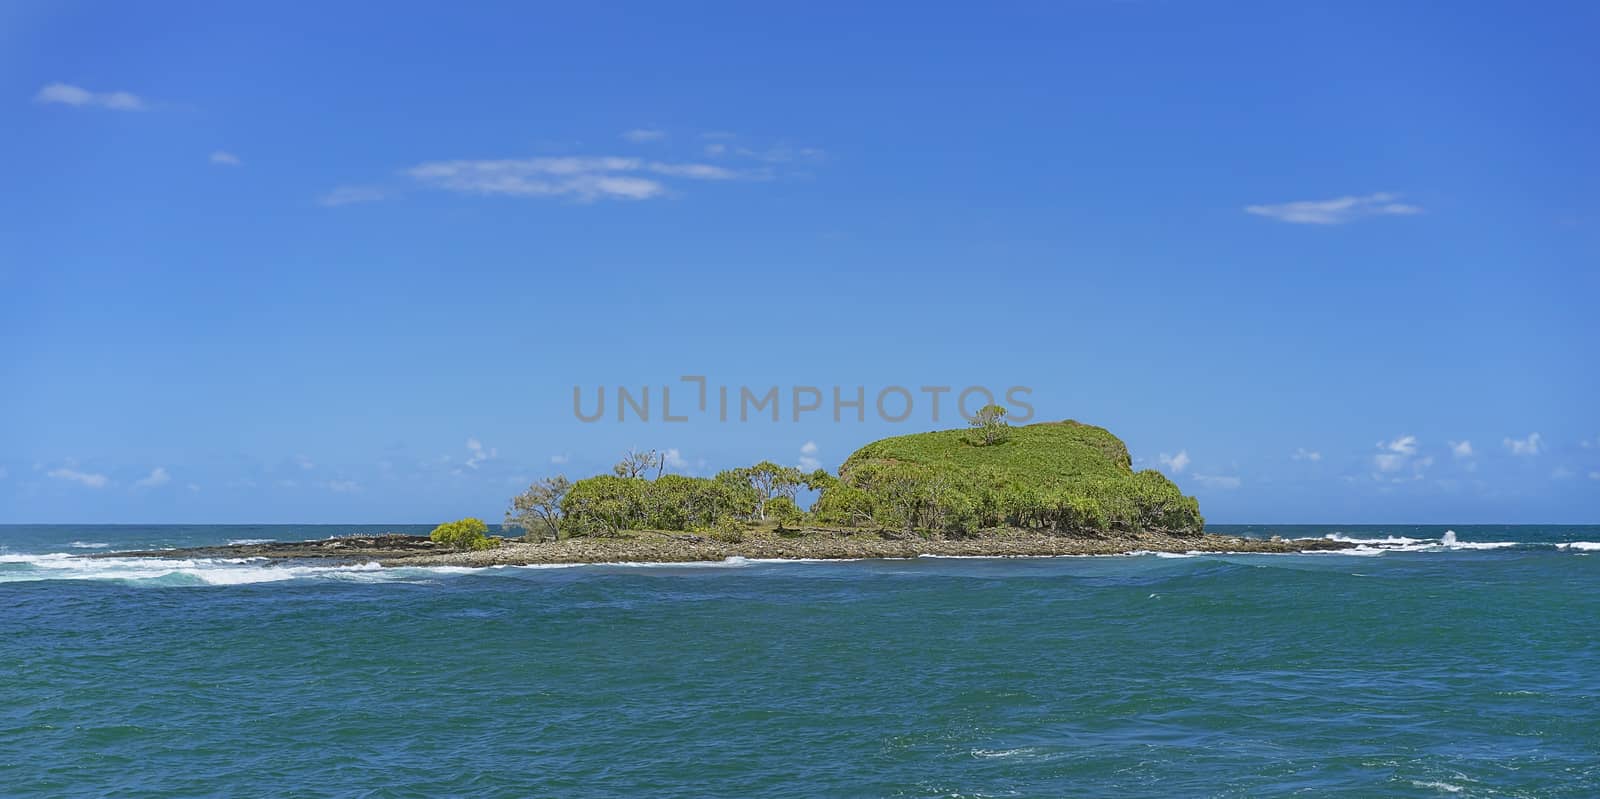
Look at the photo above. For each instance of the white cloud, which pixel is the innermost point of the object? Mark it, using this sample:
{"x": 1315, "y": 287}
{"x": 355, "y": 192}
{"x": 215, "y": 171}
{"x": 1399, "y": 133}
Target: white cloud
{"x": 476, "y": 454}
{"x": 79, "y": 97}
{"x": 1588, "y": 444}
{"x": 343, "y": 486}
{"x": 1177, "y": 463}
{"x": 560, "y": 459}
{"x": 1461, "y": 449}
{"x": 640, "y": 135}
{"x": 808, "y": 457}
{"x": 1336, "y": 211}
{"x": 1303, "y": 454}
{"x": 89, "y": 479}
{"x": 158, "y": 476}
{"x": 1531, "y": 445}
{"x": 1594, "y": 475}
{"x": 304, "y": 463}
{"x": 674, "y": 459}
{"x": 195, "y": 487}
{"x": 224, "y": 158}
{"x": 583, "y": 178}
{"x": 1218, "y": 481}
{"x": 1404, "y": 445}
{"x": 716, "y": 148}
{"x": 351, "y": 195}
{"x": 1562, "y": 473}
{"x": 1396, "y": 455}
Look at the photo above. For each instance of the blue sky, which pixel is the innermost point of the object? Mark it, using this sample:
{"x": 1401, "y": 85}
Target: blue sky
{"x": 1318, "y": 262}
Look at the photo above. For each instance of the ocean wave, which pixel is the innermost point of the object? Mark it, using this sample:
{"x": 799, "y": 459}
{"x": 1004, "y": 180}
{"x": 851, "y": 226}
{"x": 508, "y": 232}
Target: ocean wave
{"x": 1446, "y": 542}
{"x": 1582, "y": 546}
{"x": 199, "y": 571}
{"x": 88, "y": 545}
{"x": 240, "y": 542}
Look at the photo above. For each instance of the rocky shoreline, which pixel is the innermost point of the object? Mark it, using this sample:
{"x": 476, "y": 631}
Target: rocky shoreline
{"x": 805, "y": 544}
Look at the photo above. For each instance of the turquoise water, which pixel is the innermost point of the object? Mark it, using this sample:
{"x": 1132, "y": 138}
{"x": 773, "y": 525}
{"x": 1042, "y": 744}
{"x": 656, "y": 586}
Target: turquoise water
{"x": 1429, "y": 665}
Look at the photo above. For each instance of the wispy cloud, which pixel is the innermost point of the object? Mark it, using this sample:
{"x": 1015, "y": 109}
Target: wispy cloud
{"x": 158, "y": 476}
{"x": 79, "y": 97}
{"x": 351, "y": 195}
{"x": 559, "y": 460}
{"x": 477, "y": 454}
{"x": 73, "y": 475}
{"x": 1177, "y": 463}
{"x": 641, "y": 135}
{"x": 673, "y": 459}
{"x": 1336, "y": 211}
{"x": 1303, "y": 454}
{"x": 343, "y": 486}
{"x": 225, "y": 158}
{"x": 1532, "y": 445}
{"x": 584, "y": 178}
{"x": 1461, "y": 449}
{"x": 1218, "y": 481}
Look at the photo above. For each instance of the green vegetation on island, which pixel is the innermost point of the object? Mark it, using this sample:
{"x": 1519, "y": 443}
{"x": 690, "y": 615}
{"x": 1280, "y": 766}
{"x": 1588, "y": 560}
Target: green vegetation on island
{"x": 1063, "y": 478}
{"x": 466, "y": 533}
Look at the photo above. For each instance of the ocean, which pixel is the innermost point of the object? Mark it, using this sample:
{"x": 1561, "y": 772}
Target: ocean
{"x": 1431, "y": 662}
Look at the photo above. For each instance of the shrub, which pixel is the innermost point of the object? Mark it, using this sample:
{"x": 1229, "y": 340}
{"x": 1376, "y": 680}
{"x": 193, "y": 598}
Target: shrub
{"x": 467, "y": 533}
{"x": 728, "y": 531}
{"x": 784, "y": 511}
{"x": 844, "y": 505}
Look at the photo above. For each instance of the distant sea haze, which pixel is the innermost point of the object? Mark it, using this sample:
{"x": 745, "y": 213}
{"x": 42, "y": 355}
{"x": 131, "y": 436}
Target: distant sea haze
{"x": 1427, "y": 661}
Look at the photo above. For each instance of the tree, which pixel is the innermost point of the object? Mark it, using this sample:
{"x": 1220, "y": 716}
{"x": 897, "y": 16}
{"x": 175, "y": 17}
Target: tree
{"x": 990, "y": 425}
{"x": 676, "y": 502}
{"x": 538, "y": 510}
{"x": 636, "y": 463}
{"x": 466, "y": 533}
{"x": 843, "y": 504}
{"x": 604, "y": 505}
{"x": 767, "y": 480}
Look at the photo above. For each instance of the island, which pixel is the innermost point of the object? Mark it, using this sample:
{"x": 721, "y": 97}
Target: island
{"x": 991, "y": 490}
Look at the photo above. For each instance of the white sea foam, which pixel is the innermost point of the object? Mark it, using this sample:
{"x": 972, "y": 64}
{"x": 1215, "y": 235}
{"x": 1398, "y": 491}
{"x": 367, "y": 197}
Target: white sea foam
{"x": 238, "y": 542}
{"x": 1391, "y": 541}
{"x": 1438, "y": 785}
{"x": 89, "y": 545}
{"x": 1001, "y": 753}
{"x": 1582, "y": 546}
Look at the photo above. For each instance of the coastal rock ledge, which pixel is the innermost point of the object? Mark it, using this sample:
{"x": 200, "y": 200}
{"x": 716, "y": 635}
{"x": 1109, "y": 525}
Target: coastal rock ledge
{"x": 800, "y": 544}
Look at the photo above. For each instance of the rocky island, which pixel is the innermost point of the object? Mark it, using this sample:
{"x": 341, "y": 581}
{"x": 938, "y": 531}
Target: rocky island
{"x": 1049, "y": 489}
